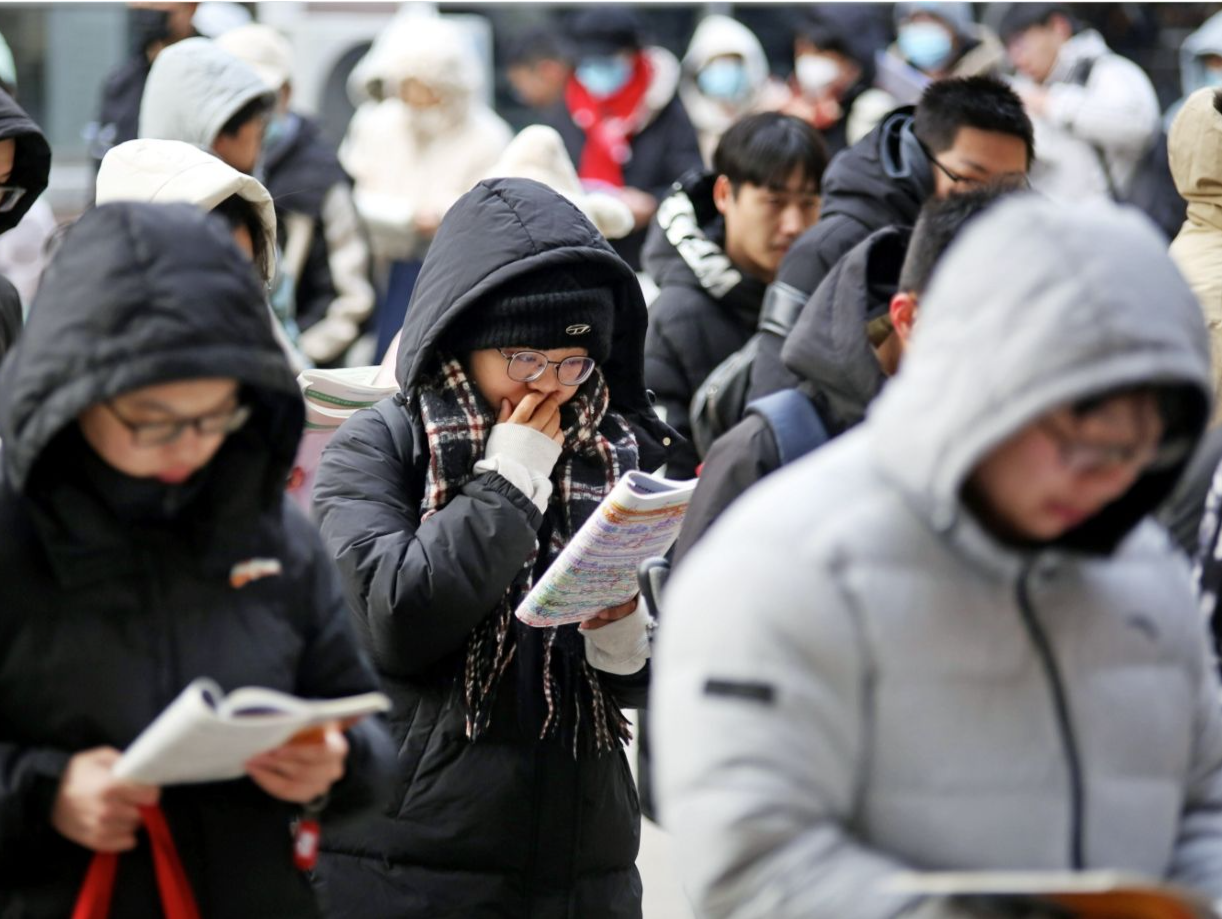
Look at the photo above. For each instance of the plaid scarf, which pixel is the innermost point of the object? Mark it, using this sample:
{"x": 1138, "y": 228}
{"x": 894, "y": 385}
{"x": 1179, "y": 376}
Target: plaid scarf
{"x": 599, "y": 447}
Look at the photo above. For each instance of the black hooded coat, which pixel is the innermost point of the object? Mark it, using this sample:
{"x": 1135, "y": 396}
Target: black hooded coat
{"x": 31, "y": 159}
{"x": 119, "y": 589}
{"x": 507, "y": 825}
{"x": 880, "y": 181}
{"x": 706, "y": 309}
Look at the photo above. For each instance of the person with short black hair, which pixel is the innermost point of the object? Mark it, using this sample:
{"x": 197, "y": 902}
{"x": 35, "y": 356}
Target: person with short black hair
{"x": 714, "y": 247}
{"x": 1096, "y": 113}
{"x": 964, "y": 133}
{"x": 954, "y": 640}
{"x": 621, "y": 119}
{"x": 538, "y": 63}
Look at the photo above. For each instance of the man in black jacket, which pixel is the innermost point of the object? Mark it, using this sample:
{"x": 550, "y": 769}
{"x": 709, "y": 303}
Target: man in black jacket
{"x": 847, "y": 343}
{"x": 129, "y": 518}
{"x": 716, "y": 243}
{"x": 963, "y": 133}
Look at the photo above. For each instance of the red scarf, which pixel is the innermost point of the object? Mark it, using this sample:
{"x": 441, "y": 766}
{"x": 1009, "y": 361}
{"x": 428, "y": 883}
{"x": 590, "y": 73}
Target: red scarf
{"x": 609, "y": 123}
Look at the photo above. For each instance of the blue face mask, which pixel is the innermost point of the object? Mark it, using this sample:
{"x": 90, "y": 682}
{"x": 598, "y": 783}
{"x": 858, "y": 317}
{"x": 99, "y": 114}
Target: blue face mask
{"x": 925, "y": 44}
{"x": 277, "y": 129}
{"x": 603, "y": 76}
{"x": 723, "y": 79}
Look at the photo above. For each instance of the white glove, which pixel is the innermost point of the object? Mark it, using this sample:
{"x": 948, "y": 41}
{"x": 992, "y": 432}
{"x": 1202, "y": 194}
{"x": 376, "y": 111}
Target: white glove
{"x": 620, "y": 647}
{"x": 524, "y": 457}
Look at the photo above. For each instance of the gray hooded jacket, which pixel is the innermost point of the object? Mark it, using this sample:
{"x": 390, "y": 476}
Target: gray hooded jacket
{"x": 195, "y": 86}
{"x": 855, "y": 678}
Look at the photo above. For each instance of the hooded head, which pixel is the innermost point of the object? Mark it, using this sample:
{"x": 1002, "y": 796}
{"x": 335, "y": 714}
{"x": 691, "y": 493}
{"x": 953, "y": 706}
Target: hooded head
{"x": 195, "y": 87}
{"x": 724, "y": 71}
{"x": 1194, "y": 148}
{"x": 511, "y": 237}
{"x": 162, "y": 171}
{"x": 31, "y": 162}
{"x": 140, "y": 295}
{"x": 1201, "y": 57}
{"x": 1035, "y": 309}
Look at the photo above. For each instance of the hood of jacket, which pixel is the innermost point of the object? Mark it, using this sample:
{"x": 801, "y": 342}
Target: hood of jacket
{"x": 420, "y": 47}
{"x": 162, "y": 171}
{"x": 999, "y": 344}
{"x": 503, "y": 229}
{"x": 1194, "y": 149}
{"x": 193, "y": 88}
{"x": 829, "y": 346}
{"x": 1205, "y": 40}
{"x": 716, "y": 36}
{"x": 31, "y": 159}
{"x": 685, "y": 247}
{"x": 140, "y": 294}
{"x": 882, "y": 179}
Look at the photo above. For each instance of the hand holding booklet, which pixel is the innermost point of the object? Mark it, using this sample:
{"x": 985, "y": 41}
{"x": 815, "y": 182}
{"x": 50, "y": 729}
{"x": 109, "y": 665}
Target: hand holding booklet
{"x": 1058, "y": 894}
{"x": 206, "y": 736}
{"x": 639, "y": 519}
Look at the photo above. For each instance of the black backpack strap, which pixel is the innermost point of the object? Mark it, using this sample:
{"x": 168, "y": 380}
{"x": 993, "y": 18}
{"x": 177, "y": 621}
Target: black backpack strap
{"x": 794, "y": 420}
{"x": 781, "y": 307}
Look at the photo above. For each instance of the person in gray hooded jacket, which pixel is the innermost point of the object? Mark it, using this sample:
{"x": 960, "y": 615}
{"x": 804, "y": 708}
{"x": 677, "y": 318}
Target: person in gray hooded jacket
{"x": 950, "y": 640}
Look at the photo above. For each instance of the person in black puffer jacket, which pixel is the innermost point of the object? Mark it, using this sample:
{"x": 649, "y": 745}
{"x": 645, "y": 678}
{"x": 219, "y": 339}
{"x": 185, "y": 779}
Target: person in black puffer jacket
{"x": 149, "y": 420}
{"x": 514, "y": 797}
{"x": 714, "y": 246}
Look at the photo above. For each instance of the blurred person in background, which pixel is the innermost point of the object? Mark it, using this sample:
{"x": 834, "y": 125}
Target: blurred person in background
{"x": 325, "y": 254}
{"x": 941, "y": 39}
{"x": 151, "y": 28}
{"x": 539, "y": 63}
{"x": 725, "y": 76}
{"x": 421, "y": 139}
{"x": 832, "y": 86}
{"x": 25, "y": 169}
{"x": 1095, "y": 113}
{"x": 23, "y": 247}
{"x": 1200, "y": 63}
{"x": 621, "y": 120}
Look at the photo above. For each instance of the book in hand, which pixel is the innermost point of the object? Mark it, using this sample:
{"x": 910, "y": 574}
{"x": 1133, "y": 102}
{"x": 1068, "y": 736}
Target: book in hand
{"x": 207, "y": 736}
{"x": 639, "y": 519}
{"x": 1058, "y": 895}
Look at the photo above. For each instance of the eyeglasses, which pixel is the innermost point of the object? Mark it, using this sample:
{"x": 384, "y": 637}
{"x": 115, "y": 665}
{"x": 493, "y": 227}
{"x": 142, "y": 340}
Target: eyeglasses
{"x": 9, "y": 196}
{"x": 528, "y": 366}
{"x": 1085, "y": 458}
{"x": 160, "y": 433}
{"x": 1014, "y": 180}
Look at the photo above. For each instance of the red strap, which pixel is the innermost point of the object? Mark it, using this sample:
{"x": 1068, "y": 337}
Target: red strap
{"x": 177, "y": 900}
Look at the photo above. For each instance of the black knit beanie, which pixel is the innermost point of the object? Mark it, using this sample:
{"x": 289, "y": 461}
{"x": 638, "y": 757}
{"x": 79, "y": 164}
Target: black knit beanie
{"x": 546, "y": 309}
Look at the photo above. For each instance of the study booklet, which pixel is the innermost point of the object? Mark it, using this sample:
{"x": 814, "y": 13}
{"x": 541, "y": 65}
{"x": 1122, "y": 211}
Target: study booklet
{"x": 1060, "y": 895}
{"x": 207, "y": 736}
{"x": 639, "y": 519}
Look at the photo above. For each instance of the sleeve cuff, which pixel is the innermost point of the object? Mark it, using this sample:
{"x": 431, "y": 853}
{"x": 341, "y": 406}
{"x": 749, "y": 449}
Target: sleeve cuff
{"x": 620, "y": 647}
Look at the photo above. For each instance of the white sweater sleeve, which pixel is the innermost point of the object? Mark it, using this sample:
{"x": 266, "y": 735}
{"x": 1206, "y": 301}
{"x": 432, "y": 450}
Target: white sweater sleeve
{"x": 620, "y": 647}
{"x": 524, "y": 457}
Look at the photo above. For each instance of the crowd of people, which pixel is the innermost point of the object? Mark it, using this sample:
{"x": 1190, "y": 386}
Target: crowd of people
{"x": 934, "y": 323}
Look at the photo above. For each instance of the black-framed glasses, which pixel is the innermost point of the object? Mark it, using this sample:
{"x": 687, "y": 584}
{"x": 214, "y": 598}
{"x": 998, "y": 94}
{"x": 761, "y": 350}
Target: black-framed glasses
{"x": 528, "y": 366}
{"x": 1014, "y": 180}
{"x": 9, "y": 196}
{"x": 1084, "y": 458}
{"x": 160, "y": 433}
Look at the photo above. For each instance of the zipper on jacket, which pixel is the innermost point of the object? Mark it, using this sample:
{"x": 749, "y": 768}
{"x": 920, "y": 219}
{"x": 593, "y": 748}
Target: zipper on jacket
{"x": 1064, "y": 724}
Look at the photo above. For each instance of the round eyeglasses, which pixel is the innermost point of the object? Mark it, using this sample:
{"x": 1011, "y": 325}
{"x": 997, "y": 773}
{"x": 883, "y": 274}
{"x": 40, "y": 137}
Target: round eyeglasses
{"x": 160, "y": 433}
{"x": 528, "y": 366}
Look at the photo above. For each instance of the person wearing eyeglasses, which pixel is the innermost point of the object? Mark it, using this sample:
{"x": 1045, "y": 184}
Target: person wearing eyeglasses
{"x": 149, "y": 419}
{"x": 955, "y": 639}
{"x": 522, "y": 402}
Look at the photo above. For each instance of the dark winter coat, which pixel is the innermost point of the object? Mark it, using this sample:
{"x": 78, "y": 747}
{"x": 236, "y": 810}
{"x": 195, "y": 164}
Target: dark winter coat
{"x": 119, "y": 112}
{"x": 31, "y": 159}
{"x": 880, "y": 181}
{"x": 706, "y": 310}
{"x": 665, "y": 149}
{"x": 118, "y": 591}
{"x": 831, "y": 357}
{"x": 507, "y": 825}
{"x": 10, "y": 315}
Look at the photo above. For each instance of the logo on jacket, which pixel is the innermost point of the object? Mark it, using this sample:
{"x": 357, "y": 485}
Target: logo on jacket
{"x": 252, "y": 569}
{"x": 578, "y": 328}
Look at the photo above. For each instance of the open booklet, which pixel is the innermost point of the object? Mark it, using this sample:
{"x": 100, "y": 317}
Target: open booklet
{"x": 207, "y": 736}
{"x": 640, "y": 518}
{"x": 1059, "y": 895}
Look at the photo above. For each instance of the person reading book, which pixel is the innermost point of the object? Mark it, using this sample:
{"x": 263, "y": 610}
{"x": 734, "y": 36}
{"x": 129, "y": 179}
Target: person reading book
{"x": 148, "y": 422}
{"x": 522, "y": 403}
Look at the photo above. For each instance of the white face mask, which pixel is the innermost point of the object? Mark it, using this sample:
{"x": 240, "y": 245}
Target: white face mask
{"x": 815, "y": 73}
